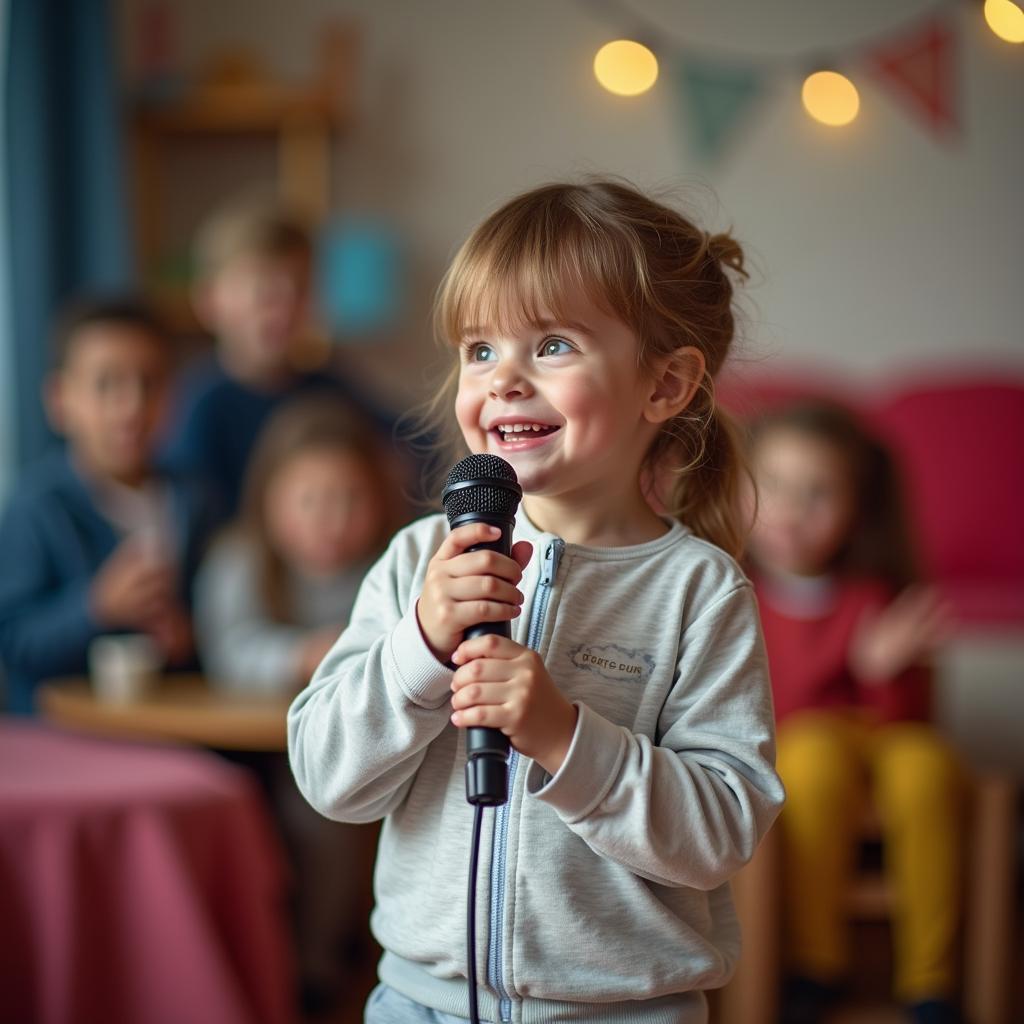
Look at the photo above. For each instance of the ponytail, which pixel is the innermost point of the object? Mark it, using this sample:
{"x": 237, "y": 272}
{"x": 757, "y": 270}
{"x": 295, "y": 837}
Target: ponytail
{"x": 698, "y": 466}
{"x": 728, "y": 253}
{"x": 701, "y": 450}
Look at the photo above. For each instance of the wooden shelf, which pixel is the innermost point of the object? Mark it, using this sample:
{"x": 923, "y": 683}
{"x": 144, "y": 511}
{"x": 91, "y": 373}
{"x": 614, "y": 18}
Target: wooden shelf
{"x": 302, "y": 121}
{"x": 242, "y": 111}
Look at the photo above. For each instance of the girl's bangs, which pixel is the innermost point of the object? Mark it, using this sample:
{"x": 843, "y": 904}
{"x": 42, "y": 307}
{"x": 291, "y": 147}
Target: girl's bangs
{"x": 504, "y": 284}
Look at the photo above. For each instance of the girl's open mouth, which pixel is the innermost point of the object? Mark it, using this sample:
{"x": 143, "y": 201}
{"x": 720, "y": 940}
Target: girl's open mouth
{"x": 514, "y": 433}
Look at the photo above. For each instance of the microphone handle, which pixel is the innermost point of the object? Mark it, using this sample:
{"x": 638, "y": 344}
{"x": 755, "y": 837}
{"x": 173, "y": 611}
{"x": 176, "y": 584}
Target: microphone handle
{"x": 487, "y": 749}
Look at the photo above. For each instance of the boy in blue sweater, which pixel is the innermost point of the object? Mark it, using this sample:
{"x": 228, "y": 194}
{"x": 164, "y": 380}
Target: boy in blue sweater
{"x": 95, "y": 539}
{"x": 254, "y": 269}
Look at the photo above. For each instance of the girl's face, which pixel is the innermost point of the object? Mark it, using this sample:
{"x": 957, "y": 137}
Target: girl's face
{"x": 806, "y": 502}
{"x": 321, "y": 511}
{"x": 561, "y": 400}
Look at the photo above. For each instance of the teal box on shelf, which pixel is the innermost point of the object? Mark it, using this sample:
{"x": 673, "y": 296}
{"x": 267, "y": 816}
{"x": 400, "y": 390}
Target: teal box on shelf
{"x": 359, "y": 277}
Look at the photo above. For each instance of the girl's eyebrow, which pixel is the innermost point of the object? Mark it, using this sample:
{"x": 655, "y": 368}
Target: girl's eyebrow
{"x": 475, "y": 331}
{"x": 572, "y": 325}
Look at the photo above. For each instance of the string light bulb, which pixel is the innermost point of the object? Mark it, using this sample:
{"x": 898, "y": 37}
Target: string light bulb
{"x": 625, "y": 67}
{"x": 1006, "y": 19}
{"x": 830, "y": 98}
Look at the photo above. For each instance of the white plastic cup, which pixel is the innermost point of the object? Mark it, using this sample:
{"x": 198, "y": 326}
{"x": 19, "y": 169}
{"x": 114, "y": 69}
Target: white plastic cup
{"x": 123, "y": 667}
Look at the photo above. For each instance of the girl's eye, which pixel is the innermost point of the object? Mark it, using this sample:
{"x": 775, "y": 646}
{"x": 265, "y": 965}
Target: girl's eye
{"x": 481, "y": 353}
{"x": 555, "y": 347}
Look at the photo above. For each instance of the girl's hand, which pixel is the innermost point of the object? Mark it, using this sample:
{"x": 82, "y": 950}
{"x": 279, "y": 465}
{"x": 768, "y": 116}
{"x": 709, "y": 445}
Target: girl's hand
{"x": 464, "y": 587}
{"x": 902, "y": 634}
{"x": 502, "y": 685}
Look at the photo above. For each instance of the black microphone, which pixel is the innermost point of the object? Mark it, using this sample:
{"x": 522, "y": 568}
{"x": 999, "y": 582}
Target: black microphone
{"x": 484, "y": 489}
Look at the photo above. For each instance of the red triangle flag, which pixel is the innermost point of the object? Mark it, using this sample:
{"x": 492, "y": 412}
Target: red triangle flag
{"x": 919, "y": 67}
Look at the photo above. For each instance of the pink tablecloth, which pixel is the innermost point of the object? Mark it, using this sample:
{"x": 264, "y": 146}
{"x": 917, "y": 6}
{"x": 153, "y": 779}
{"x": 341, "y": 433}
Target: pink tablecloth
{"x": 138, "y": 885}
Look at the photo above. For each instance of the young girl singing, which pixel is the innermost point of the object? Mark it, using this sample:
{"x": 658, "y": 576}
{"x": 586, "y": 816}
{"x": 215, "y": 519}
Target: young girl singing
{"x": 588, "y": 322}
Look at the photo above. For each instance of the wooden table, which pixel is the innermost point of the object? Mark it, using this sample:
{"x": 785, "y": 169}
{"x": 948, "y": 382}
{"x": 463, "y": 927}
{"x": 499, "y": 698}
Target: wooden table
{"x": 184, "y": 708}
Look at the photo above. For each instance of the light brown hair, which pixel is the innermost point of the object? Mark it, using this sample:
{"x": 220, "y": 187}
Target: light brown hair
{"x": 305, "y": 424}
{"x": 879, "y": 543}
{"x": 249, "y": 225}
{"x": 651, "y": 268}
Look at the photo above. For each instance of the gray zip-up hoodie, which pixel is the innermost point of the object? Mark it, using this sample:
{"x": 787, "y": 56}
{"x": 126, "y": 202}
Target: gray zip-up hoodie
{"x": 603, "y": 891}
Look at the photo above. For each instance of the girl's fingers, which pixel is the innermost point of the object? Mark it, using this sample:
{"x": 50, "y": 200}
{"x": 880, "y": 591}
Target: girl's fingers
{"x": 491, "y": 646}
{"x": 476, "y": 694}
{"x": 483, "y": 671}
{"x": 483, "y": 588}
{"x": 922, "y": 613}
{"x": 465, "y": 537}
{"x": 484, "y": 563}
{"x": 488, "y": 716}
{"x": 469, "y": 613}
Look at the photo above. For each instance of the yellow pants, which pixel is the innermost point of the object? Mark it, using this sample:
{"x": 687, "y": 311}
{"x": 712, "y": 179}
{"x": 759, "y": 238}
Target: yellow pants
{"x": 831, "y": 763}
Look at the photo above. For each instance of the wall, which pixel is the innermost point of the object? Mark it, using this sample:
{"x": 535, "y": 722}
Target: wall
{"x": 875, "y": 246}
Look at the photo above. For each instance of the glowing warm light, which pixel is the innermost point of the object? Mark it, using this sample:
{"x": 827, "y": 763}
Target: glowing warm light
{"x": 830, "y": 98}
{"x": 626, "y": 68}
{"x": 1006, "y": 19}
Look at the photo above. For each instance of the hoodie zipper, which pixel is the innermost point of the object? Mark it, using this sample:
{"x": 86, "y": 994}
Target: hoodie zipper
{"x": 549, "y": 567}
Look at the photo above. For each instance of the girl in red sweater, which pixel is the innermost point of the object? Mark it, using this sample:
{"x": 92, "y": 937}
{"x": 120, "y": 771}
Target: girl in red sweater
{"x": 847, "y": 633}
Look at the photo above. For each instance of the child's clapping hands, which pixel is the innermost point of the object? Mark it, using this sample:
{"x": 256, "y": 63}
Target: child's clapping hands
{"x": 902, "y": 634}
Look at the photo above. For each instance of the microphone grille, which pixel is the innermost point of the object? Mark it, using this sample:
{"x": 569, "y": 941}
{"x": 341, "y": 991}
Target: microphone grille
{"x": 481, "y": 483}
{"x": 476, "y": 467}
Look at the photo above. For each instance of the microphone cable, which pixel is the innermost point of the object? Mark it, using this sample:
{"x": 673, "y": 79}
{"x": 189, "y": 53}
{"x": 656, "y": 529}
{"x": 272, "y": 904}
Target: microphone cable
{"x": 474, "y": 861}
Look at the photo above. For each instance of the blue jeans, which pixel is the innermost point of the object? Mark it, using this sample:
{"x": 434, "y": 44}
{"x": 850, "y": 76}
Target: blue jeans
{"x": 386, "y": 1006}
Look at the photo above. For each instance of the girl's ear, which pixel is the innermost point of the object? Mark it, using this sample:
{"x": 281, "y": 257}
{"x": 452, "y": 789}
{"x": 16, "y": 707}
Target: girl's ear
{"x": 676, "y": 380}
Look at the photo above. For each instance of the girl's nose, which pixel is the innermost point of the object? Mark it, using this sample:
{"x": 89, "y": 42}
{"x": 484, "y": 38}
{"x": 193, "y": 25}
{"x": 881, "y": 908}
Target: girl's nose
{"x": 508, "y": 380}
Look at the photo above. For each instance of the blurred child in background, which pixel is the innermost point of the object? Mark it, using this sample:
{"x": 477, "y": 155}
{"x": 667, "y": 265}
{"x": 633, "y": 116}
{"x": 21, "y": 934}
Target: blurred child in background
{"x": 847, "y": 634}
{"x": 272, "y": 597}
{"x": 274, "y": 593}
{"x": 95, "y": 540}
{"x": 254, "y": 270}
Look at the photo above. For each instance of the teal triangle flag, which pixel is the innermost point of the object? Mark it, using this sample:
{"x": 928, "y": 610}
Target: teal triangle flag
{"x": 716, "y": 97}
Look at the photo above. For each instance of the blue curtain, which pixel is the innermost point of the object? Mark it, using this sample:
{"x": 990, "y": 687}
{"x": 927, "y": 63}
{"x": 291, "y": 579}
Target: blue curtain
{"x": 64, "y": 184}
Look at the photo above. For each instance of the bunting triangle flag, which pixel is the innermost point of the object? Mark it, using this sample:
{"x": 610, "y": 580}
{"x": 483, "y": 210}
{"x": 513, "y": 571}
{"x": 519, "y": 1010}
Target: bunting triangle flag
{"x": 919, "y": 67}
{"x": 716, "y": 97}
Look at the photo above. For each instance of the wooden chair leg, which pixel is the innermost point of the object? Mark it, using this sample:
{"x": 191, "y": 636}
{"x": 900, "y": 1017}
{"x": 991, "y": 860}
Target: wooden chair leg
{"x": 990, "y": 887}
{"x": 752, "y": 996}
